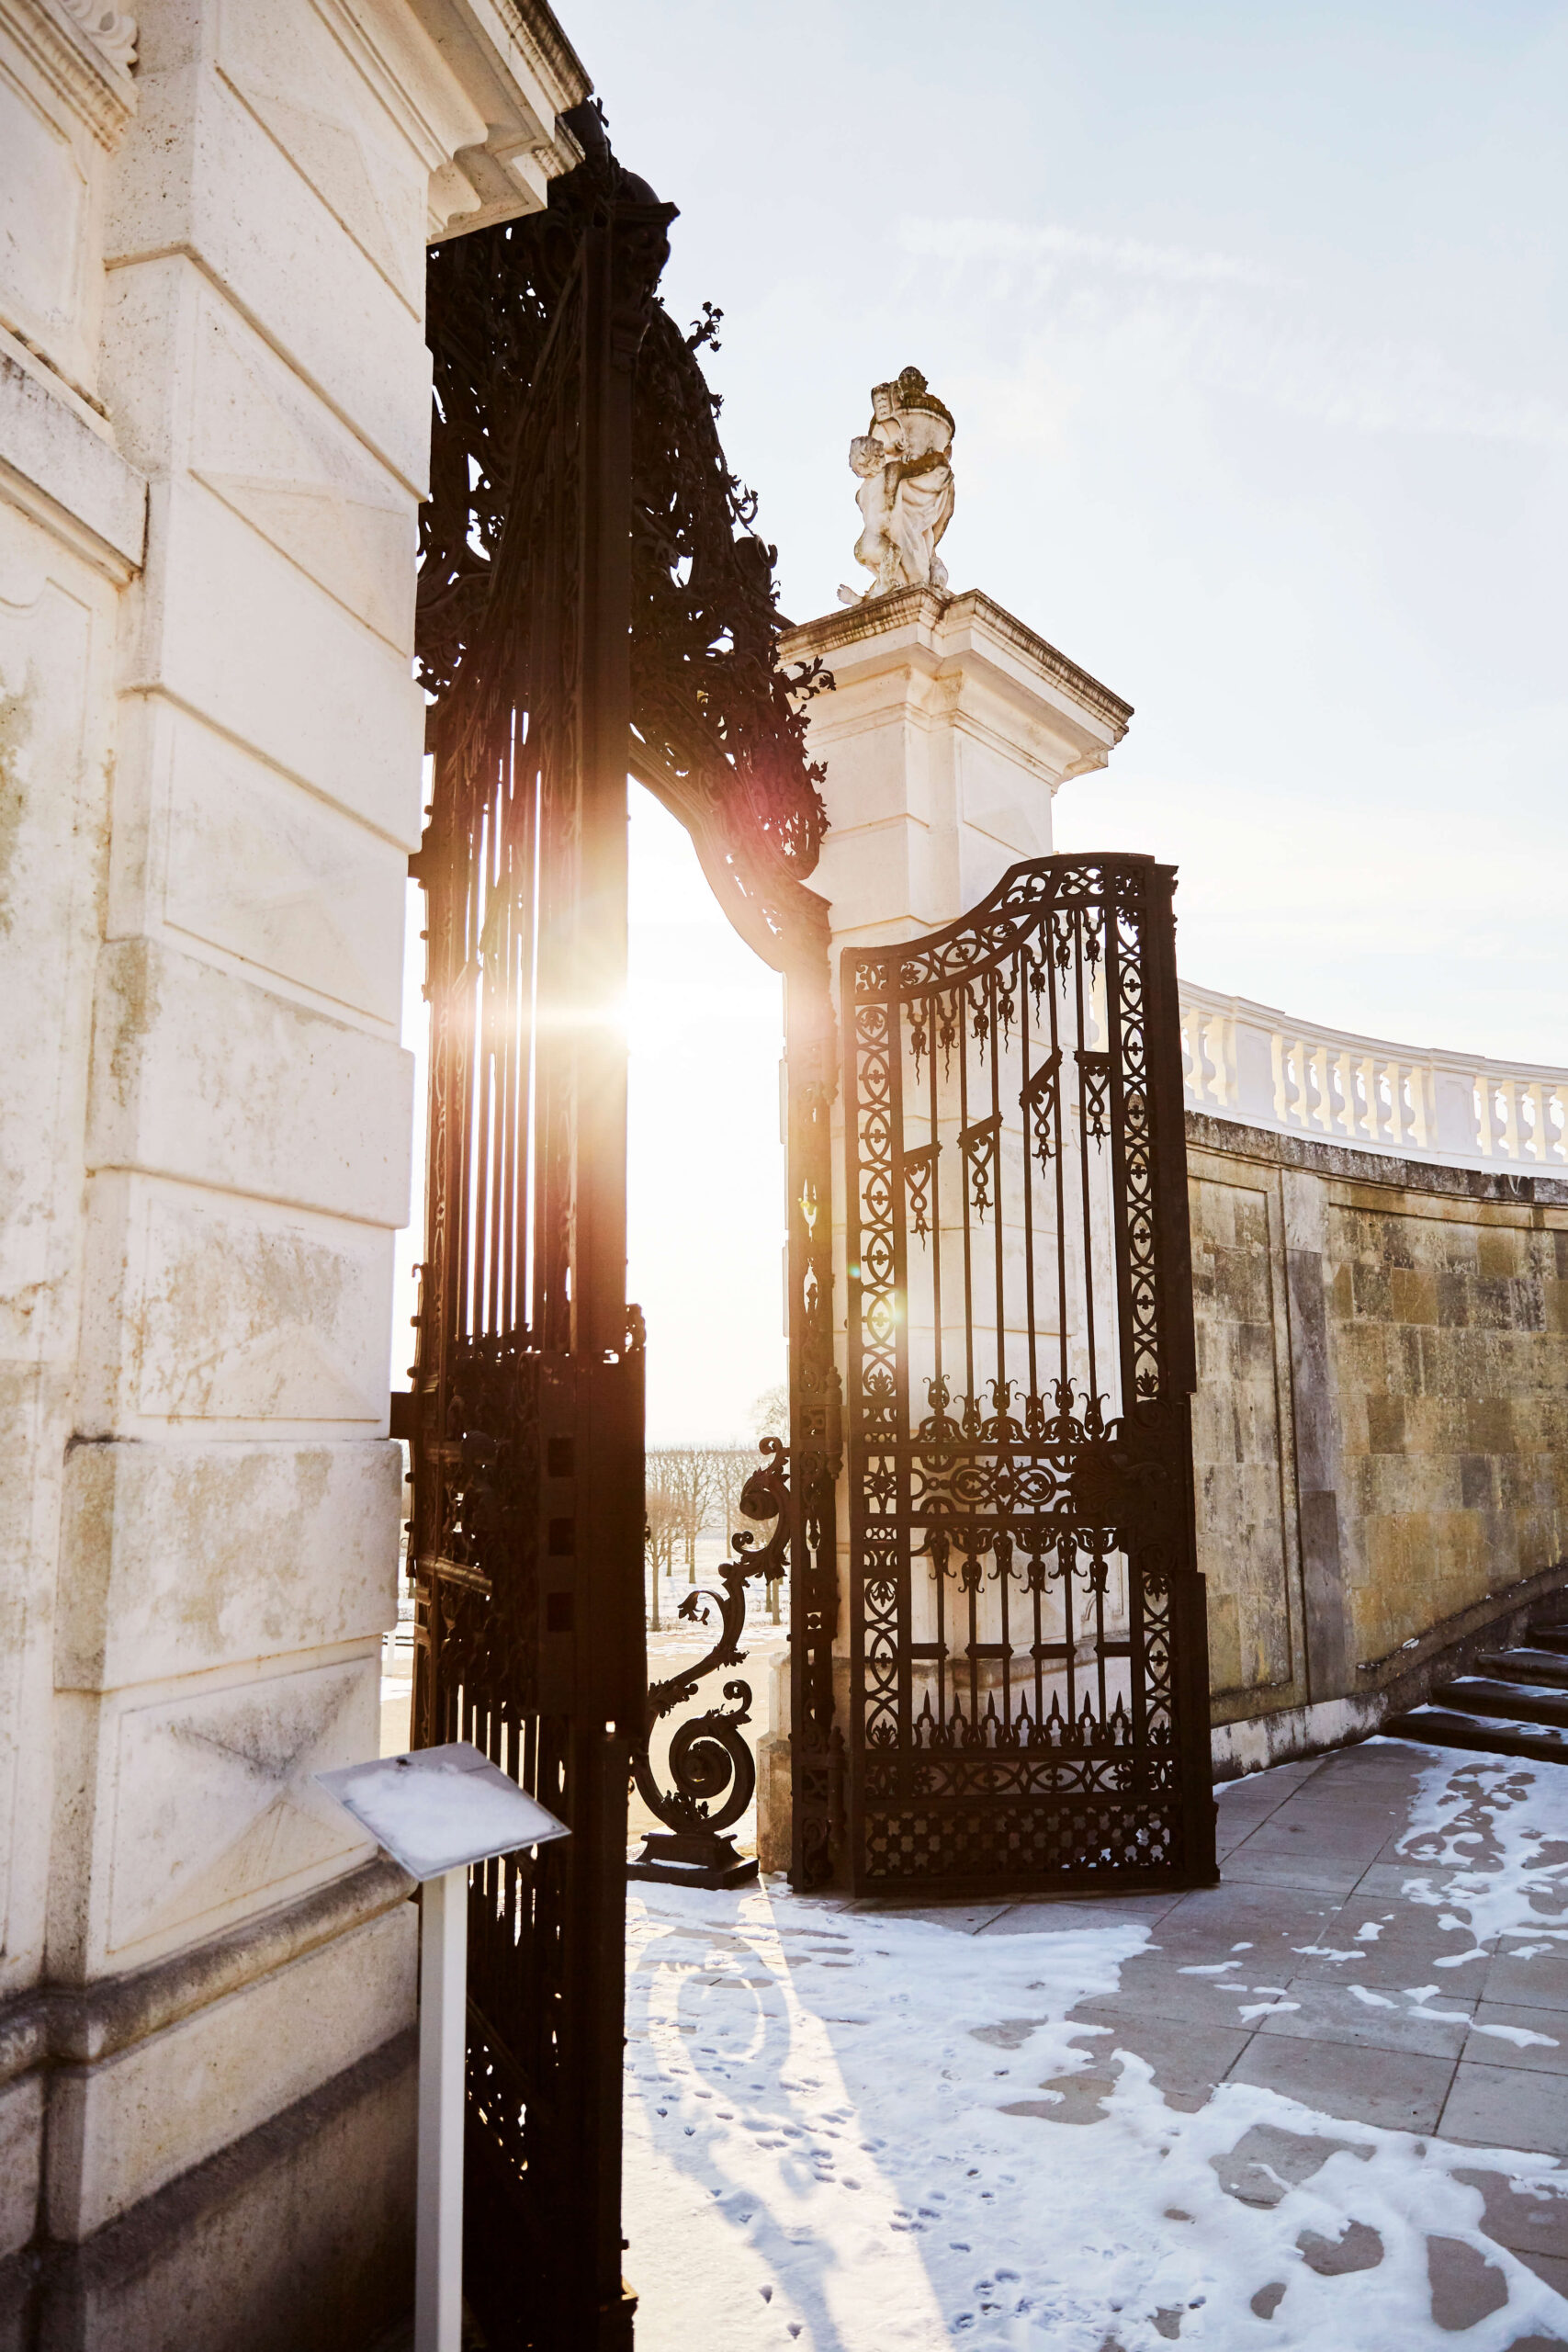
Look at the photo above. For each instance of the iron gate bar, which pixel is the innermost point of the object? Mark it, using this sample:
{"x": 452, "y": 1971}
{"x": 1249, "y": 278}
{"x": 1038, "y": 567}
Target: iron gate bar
{"x": 1013, "y": 1106}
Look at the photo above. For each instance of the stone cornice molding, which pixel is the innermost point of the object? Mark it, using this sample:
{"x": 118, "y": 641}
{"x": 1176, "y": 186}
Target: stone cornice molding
{"x": 517, "y": 70}
{"x": 932, "y": 619}
{"x": 82, "y": 2025}
{"x": 550, "y": 51}
{"x": 107, "y": 28}
{"x": 85, "y": 51}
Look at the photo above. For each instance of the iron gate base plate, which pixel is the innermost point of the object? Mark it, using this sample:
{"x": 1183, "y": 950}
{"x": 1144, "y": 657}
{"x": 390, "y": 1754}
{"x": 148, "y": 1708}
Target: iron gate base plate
{"x": 692, "y": 1857}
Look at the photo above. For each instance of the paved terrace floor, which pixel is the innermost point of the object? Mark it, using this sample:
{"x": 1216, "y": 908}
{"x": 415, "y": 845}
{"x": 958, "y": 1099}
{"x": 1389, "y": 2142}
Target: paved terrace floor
{"x": 1323, "y": 2105}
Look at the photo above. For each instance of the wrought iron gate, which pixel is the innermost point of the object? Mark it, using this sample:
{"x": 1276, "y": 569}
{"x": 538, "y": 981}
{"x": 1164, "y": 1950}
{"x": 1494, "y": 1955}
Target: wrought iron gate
{"x": 1028, "y": 1661}
{"x": 592, "y": 598}
{"x": 527, "y": 1443}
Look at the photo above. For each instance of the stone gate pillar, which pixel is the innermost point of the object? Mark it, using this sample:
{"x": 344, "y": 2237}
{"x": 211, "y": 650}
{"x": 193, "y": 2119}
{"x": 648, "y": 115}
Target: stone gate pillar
{"x": 214, "y": 433}
{"x": 951, "y": 728}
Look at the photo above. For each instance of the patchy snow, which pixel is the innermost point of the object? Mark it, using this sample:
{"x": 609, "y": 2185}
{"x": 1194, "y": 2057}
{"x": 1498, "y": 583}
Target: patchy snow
{"x": 1518, "y": 1814}
{"x": 1520, "y": 2035}
{"x": 841, "y": 2135}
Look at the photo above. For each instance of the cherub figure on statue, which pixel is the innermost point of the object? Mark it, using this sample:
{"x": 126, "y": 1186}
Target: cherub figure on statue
{"x": 903, "y": 459}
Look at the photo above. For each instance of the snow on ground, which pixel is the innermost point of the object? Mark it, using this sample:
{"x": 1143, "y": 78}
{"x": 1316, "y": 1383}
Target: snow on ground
{"x": 820, "y": 2150}
{"x": 1493, "y": 1839}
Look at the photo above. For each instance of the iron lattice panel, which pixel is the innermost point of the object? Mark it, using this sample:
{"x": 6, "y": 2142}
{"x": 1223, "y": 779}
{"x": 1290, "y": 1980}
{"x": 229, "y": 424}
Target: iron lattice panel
{"x": 983, "y": 1847}
{"x": 1028, "y": 1669}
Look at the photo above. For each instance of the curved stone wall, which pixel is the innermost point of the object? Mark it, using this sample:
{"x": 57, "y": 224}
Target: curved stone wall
{"x": 1380, "y": 1428}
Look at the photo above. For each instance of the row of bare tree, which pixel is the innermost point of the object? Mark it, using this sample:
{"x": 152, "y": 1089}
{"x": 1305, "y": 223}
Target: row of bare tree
{"x": 692, "y": 1491}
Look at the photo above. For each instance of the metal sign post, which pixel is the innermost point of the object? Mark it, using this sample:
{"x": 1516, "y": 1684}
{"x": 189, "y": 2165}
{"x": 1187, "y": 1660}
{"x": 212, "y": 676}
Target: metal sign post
{"x": 438, "y": 1812}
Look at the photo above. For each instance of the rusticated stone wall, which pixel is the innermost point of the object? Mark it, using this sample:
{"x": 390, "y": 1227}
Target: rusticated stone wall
{"x": 1381, "y": 1428}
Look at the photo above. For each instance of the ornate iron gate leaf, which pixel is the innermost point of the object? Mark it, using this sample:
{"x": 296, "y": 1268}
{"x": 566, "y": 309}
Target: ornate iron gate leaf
{"x": 591, "y": 597}
{"x": 527, "y": 1443}
{"x": 1028, "y": 1658}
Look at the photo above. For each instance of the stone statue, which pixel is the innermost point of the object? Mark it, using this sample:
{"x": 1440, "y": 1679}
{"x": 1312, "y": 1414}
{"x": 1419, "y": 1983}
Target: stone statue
{"x": 903, "y": 459}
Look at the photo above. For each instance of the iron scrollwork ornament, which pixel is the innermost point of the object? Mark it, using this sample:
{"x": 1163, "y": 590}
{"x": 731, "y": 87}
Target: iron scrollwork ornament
{"x": 711, "y": 1764}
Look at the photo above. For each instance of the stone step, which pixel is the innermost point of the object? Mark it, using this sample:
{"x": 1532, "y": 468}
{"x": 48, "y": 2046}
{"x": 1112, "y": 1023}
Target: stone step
{"x": 1551, "y": 1637}
{"x": 1446, "y": 1727}
{"x": 1482, "y": 1694}
{"x": 1526, "y": 1666}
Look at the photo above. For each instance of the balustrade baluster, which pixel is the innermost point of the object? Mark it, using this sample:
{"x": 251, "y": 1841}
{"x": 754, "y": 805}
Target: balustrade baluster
{"x": 1245, "y": 1061}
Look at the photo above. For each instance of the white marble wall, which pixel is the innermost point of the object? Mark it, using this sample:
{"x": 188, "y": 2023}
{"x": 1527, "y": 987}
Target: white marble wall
{"x": 214, "y": 424}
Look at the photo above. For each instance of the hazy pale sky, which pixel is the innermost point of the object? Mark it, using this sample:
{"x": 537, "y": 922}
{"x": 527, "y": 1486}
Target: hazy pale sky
{"x": 1253, "y": 318}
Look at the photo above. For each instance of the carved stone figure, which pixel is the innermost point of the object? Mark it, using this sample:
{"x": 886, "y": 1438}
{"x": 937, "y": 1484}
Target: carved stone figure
{"x": 904, "y": 497}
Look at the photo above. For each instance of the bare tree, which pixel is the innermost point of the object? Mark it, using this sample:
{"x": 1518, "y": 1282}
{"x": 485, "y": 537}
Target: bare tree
{"x": 684, "y": 1476}
{"x": 770, "y": 1418}
{"x": 692, "y": 1491}
{"x": 661, "y": 1528}
{"x": 770, "y": 1412}
{"x": 732, "y": 1466}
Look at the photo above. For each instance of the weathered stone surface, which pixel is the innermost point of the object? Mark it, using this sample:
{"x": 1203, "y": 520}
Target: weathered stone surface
{"x": 211, "y": 778}
{"x": 208, "y": 1307}
{"x": 203, "y": 1076}
{"x": 1242, "y": 1448}
{"x": 189, "y": 1556}
{"x": 198, "y": 173}
{"x": 299, "y": 2238}
{"x": 57, "y": 629}
{"x": 213, "y": 847}
{"x": 180, "y": 1811}
{"x": 21, "y": 2120}
{"x": 1415, "y": 1425}
{"x": 122, "y": 2129}
{"x": 351, "y": 723}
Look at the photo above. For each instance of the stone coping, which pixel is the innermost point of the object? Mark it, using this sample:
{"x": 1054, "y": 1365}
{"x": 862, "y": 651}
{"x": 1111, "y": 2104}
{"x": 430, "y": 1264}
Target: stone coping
{"x": 927, "y": 611}
{"x": 1233, "y": 1138}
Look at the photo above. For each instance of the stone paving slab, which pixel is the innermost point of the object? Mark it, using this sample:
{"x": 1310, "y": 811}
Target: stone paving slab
{"x": 1319, "y": 1914}
{"x": 1397, "y": 2088}
{"x": 1366, "y": 2019}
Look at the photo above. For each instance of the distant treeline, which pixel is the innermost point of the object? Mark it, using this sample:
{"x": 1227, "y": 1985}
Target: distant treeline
{"x": 692, "y": 1491}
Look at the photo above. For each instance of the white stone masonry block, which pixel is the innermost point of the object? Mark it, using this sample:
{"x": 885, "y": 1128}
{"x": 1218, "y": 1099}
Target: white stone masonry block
{"x": 237, "y": 417}
{"x": 185, "y": 1807}
{"x": 230, "y": 627}
{"x": 201, "y": 1075}
{"x": 214, "y": 845}
{"x": 120, "y": 2131}
{"x": 201, "y": 173}
{"x": 182, "y": 1558}
{"x": 201, "y": 1307}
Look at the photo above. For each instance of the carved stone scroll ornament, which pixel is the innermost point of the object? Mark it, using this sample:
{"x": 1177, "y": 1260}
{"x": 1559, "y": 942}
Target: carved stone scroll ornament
{"x": 904, "y": 462}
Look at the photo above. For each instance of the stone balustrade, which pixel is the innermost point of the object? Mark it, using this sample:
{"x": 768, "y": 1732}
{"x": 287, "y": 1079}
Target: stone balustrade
{"x": 1249, "y": 1062}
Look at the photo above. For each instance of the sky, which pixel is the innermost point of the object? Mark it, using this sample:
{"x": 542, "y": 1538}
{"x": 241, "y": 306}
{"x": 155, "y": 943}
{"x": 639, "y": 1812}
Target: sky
{"x": 1253, "y": 319}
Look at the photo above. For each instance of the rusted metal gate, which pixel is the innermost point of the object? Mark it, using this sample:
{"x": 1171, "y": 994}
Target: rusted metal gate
{"x": 1028, "y": 1663}
{"x": 591, "y": 598}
